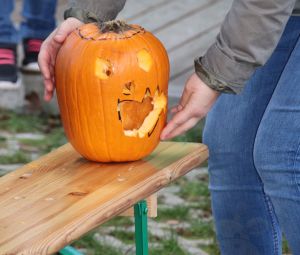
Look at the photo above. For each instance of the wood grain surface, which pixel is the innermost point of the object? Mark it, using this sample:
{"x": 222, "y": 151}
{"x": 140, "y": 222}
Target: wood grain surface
{"x": 54, "y": 200}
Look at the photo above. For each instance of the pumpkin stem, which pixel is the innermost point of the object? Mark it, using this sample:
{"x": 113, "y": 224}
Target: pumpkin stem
{"x": 115, "y": 26}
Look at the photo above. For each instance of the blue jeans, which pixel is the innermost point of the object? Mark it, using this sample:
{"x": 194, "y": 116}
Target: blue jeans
{"x": 254, "y": 164}
{"x": 38, "y": 22}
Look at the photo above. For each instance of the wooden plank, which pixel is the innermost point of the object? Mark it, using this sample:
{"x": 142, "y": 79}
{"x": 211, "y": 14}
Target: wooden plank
{"x": 182, "y": 63}
{"x": 183, "y": 57}
{"x": 171, "y": 13}
{"x": 148, "y": 10}
{"x": 151, "y": 205}
{"x": 184, "y": 44}
{"x": 54, "y": 200}
{"x": 193, "y": 24}
{"x": 135, "y": 8}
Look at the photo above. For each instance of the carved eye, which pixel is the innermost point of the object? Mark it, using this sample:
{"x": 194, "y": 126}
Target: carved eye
{"x": 128, "y": 88}
{"x": 103, "y": 68}
{"x": 144, "y": 60}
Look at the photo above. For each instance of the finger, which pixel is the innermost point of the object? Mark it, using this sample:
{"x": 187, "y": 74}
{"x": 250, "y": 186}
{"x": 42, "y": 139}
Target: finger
{"x": 183, "y": 101}
{"x": 47, "y": 71}
{"x": 51, "y": 70}
{"x": 44, "y": 57}
{"x": 49, "y": 88}
{"x": 66, "y": 28}
{"x": 48, "y": 95}
{"x": 44, "y": 62}
{"x": 183, "y": 128}
{"x": 176, "y": 108}
{"x": 62, "y": 32}
{"x": 184, "y": 97}
{"x": 178, "y": 119}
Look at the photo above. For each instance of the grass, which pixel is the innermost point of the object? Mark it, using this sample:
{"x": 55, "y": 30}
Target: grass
{"x": 14, "y": 122}
{"x": 175, "y": 213}
{"x": 94, "y": 247}
{"x": 119, "y": 221}
{"x": 39, "y": 143}
{"x": 54, "y": 139}
{"x": 168, "y": 246}
{"x": 285, "y": 247}
{"x": 3, "y": 142}
{"x": 126, "y": 236}
{"x": 18, "y": 157}
{"x": 193, "y": 135}
{"x": 193, "y": 190}
{"x": 211, "y": 249}
{"x": 19, "y": 123}
{"x": 199, "y": 229}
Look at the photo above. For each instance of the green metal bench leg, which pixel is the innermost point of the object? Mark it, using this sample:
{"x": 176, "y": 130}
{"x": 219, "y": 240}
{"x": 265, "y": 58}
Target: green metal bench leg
{"x": 141, "y": 232}
{"x": 68, "y": 250}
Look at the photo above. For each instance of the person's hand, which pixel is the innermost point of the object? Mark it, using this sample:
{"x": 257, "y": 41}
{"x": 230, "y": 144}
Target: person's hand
{"x": 196, "y": 100}
{"x": 49, "y": 50}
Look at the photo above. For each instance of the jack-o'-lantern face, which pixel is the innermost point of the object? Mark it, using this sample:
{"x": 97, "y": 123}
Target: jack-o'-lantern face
{"x": 139, "y": 118}
{"x": 112, "y": 91}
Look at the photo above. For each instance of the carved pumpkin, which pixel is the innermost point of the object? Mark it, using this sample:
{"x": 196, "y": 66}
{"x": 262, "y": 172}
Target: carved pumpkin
{"x": 111, "y": 82}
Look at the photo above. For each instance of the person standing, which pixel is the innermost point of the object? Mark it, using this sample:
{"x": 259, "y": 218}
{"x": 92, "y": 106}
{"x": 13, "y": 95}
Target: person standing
{"x": 248, "y": 82}
{"x": 38, "y": 22}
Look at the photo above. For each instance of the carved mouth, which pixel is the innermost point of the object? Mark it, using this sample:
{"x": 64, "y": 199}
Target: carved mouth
{"x": 140, "y": 118}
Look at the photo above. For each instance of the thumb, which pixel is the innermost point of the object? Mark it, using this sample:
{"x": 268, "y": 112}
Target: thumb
{"x": 66, "y": 28}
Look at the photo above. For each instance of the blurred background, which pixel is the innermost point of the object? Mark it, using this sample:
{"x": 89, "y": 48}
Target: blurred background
{"x": 30, "y": 127}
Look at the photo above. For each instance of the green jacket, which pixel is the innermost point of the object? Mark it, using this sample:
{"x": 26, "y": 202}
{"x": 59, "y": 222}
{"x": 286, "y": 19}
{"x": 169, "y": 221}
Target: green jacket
{"x": 247, "y": 38}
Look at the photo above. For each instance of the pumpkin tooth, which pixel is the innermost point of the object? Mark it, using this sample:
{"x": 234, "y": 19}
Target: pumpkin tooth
{"x": 119, "y": 110}
{"x": 147, "y": 93}
{"x": 128, "y": 88}
{"x": 126, "y": 92}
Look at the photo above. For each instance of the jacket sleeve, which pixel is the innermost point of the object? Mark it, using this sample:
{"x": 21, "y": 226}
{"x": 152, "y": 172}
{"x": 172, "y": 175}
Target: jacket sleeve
{"x": 248, "y": 36}
{"x": 94, "y": 10}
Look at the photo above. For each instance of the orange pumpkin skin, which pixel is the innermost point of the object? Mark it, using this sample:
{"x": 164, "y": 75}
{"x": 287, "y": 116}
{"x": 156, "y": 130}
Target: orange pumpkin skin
{"x": 104, "y": 82}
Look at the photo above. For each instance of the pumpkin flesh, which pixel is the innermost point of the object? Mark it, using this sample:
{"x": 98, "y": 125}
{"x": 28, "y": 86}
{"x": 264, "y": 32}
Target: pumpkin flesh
{"x": 146, "y": 115}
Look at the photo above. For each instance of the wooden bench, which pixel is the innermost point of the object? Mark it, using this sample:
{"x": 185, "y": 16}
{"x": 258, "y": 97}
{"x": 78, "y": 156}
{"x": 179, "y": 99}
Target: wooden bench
{"x": 54, "y": 200}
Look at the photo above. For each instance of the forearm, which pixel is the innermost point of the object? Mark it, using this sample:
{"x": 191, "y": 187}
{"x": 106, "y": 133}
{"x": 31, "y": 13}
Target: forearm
{"x": 92, "y": 10}
{"x": 248, "y": 36}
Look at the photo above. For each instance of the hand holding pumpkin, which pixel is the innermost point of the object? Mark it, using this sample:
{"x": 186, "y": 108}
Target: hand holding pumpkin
{"x": 139, "y": 91}
{"x": 195, "y": 103}
{"x": 49, "y": 50}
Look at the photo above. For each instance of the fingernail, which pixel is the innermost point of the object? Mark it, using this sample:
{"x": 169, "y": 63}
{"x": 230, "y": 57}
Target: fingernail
{"x": 49, "y": 88}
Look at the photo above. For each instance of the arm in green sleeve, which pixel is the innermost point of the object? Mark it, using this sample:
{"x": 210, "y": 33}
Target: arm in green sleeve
{"x": 94, "y": 10}
{"x": 248, "y": 36}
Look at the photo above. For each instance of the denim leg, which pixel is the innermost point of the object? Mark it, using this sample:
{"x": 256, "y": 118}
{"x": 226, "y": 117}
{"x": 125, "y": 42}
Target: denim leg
{"x": 8, "y": 33}
{"x": 277, "y": 150}
{"x": 39, "y": 18}
{"x": 244, "y": 215}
